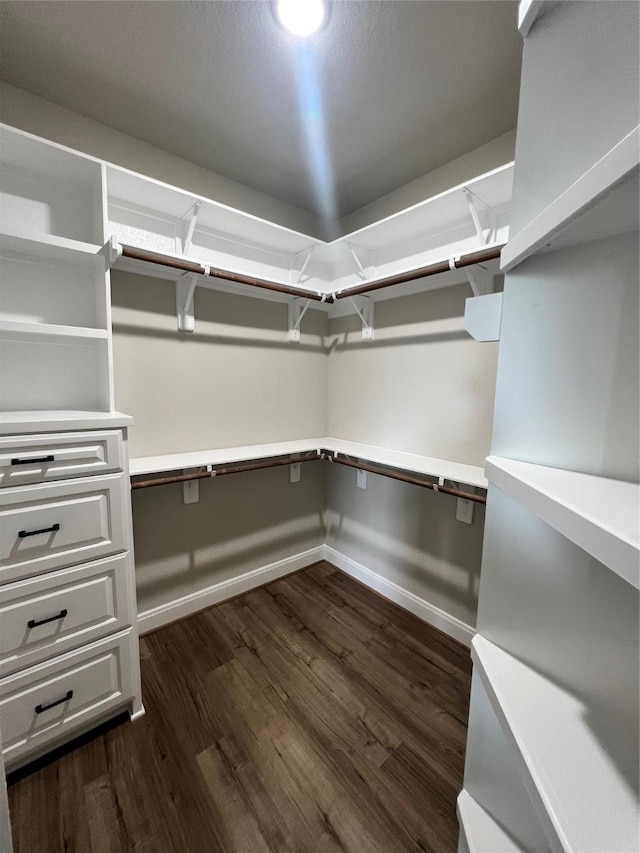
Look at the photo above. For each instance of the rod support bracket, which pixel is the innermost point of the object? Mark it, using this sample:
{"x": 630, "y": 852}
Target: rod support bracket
{"x": 189, "y": 222}
{"x": 297, "y": 309}
{"x": 111, "y": 251}
{"x": 480, "y": 279}
{"x": 361, "y": 256}
{"x": 480, "y": 215}
{"x": 364, "y": 308}
{"x": 302, "y": 258}
{"x": 185, "y": 289}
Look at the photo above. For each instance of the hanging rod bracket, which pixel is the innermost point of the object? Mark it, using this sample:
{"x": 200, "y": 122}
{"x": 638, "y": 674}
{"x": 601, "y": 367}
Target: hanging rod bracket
{"x": 185, "y": 289}
{"x": 480, "y": 215}
{"x": 302, "y": 258}
{"x": 189, "y": 222}
{"x": 480, "y": 279}
{"x": 297, "y": 309}
{"x": 111, "y": 251}
{"x": 364, "y": 308}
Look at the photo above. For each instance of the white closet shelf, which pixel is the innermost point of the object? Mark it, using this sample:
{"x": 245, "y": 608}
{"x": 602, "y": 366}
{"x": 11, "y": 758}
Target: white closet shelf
{"x": 580, "y": 794}
{"x": 51, "y": 333}
{"x": 598, "y": 514}
{"x": 603, "y": 202}
{"x": 55, "y": 421}
{"x": 480, "y": 831}
{"x": 49, "y": 246}
{"x": 457, "y": 472}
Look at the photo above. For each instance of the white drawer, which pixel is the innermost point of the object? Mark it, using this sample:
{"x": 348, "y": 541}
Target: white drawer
{"x": 45, "y": 705}
{"x": 54, "y": 613}
{"x": 54, "y": 525}
{"x": 41, "y": 458}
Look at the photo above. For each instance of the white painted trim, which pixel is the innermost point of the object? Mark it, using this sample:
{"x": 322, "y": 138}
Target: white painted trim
{"x": 179, "y": 608}
{"x": 429, "y": 613}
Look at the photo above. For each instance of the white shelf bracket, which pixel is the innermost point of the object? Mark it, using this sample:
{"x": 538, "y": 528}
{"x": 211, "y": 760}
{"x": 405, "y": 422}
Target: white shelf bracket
{"x": 303, "y": 259}
{"x": 359, "y": 255}
{"x": 189, "y": 222}
{"x": 480, "y": 279}
{"x": 364, "y": 308}
{"x": 190, "y": 489}
{"x": 297, "y": 309}
{"x": 185, "y": 289}
{"x": 480, "y": 215}
{"x": 111, "y": 251}
{"x": 294, "y": 472}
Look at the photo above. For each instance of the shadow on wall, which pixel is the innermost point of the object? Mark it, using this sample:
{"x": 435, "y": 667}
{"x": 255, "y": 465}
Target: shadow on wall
{"x": 242, "y": 522}
{"x": 410, "y": 536}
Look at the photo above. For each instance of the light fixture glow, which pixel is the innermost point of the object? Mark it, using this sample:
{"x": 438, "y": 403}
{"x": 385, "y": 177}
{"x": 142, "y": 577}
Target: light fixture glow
{"x": 301, "y": 17}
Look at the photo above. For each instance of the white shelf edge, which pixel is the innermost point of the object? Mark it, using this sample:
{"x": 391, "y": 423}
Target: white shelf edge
{"x": 529, "y": 706}
{"x": 458, "y": 472}
{"x": 584, "y": 193}
{"x": 57, "y": 420}
{"x": 36, "y": 243}
{"x": 52, "y": 331}
{"x": 598, "y": 514}
{"x": 481, "y": 832}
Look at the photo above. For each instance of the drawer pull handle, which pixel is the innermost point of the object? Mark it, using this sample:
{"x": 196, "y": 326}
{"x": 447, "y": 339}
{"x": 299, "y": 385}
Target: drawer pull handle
{"x": 40, "y": 708}
{"x": 52, "y": 529}
{"x": 32, "y": 623}
{"x": 33, "y": 460}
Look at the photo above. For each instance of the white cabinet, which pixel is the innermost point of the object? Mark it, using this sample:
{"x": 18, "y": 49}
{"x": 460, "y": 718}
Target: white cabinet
{"x": 68, "y": 634}
{"x": 555, "y": 696}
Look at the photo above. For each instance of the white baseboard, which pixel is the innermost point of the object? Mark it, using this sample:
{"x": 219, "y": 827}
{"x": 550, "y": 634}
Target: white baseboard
{"x": 440, "y": 619}
{"x": 157, "y": 617}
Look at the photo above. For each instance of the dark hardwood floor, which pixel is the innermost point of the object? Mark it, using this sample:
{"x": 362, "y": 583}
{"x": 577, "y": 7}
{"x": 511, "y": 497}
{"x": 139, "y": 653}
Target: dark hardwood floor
{"x": 309, "y": 715}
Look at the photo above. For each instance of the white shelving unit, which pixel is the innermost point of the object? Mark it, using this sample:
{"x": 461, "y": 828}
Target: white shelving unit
{"x": 555, "y": 692}
{"x": 75, "y": 661}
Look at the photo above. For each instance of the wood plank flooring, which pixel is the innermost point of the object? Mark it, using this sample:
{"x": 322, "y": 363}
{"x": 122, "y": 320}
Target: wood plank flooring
{"x": 308, "y": 716}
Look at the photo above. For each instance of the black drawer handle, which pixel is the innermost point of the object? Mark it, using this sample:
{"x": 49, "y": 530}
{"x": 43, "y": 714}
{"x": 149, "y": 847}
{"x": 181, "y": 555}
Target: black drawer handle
{"x": 32, "y": 623}
{"x": 33, "y": 460}
{"x": 41, "y": 708}
{"x": 52, "y": 529}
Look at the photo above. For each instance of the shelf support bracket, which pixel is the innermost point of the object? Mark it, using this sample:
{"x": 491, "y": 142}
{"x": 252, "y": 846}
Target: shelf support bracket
{"x": 366, "y": 257}
{"x": 363, "y": 306}
{"x": 303, "y": 259}
{"x": 185, "y": 289}
{"x": 480, "y": 279}
{"x": 111, "y": 251}
{"x": 479, "y": 210}
{"x": 297, "y": 309}
{"x": 190, "y": 220}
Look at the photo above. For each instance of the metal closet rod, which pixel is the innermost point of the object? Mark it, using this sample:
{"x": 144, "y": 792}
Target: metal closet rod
{"x": 324, "y": 454}
{"x": 479, "y": 257}
{"x": 220, "y": 471}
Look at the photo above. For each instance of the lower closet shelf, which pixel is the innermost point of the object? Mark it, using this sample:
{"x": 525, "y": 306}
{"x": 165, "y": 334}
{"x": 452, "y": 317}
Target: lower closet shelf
{"x": 582, "y": 794}
{"x": 479, "y": 830}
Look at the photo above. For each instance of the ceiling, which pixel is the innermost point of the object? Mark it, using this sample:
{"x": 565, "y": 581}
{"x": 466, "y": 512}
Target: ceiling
{"x": 386, "y": 92}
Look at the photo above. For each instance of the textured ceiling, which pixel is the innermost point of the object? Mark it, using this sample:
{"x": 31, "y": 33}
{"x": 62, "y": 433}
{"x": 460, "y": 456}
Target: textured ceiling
{"x": 385, "y": 93}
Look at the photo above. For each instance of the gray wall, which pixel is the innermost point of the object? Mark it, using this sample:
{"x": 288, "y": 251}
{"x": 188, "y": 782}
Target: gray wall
{"x": 425, "y": 387}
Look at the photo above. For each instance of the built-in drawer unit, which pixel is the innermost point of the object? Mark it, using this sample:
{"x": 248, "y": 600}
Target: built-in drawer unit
{"x": 51, "y": 702}
{"x": 41, "y": 458}
{"x": 54, "y": 525}
{"x": 51, "y": 614}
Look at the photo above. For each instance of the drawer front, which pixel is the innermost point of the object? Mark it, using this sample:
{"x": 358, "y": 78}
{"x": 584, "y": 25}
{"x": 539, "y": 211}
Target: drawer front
{"x": 58, "y": 524}
{"x": 47, "y": 703}
{"x": 54, "y": 613}
{"x": 41, "y": 458}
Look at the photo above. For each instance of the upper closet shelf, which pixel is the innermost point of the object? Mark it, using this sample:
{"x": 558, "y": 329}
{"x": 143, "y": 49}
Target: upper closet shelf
{"x": 603, "y": 202}
{"x": 439, "y": 468}
{"x": 50, "y": 246}
{"x": 599, "y": 515}
{"x": 582, "y": 788}
{"x": 59, "y": 420}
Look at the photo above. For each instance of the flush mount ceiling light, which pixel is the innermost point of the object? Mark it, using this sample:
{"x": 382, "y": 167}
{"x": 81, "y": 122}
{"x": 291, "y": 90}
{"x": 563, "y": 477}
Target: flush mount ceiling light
{"x": 301, "y": 17}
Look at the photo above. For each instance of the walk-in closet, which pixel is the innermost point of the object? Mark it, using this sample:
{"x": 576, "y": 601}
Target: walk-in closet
{"x": 319, "y": 426}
